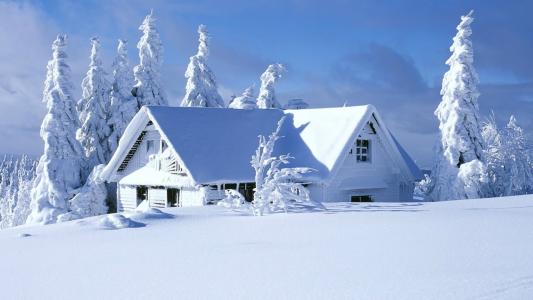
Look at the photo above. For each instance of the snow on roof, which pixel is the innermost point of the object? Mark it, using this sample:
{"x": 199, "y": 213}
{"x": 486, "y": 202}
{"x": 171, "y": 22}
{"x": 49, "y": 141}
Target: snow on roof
{"x": 215, "y": 144}
{"x": 152, "y": 177}
{"x": 408, "y": 160}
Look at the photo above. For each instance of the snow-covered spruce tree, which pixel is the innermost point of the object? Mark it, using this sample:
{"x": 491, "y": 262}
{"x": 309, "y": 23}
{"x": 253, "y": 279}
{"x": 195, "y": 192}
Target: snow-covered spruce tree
{"x": 93, "y": 109}
{"x": 276, "y": 188}
{"x": 148, "y": 89}
{"x": 201, "y": 89}
{"x": 494, "y": 155}
{"x": 244, "y": 101}
{"x": 267, "y": 95}
{"x": 26, "y": 176}
{"x": 60, "y": 169}
{"x": 123, "y": 105}
{"x": 9, "y": 197}
{"x": 518, "y": 160}
{"x": 459, "y": 170}
{"x": 15, "y": 204}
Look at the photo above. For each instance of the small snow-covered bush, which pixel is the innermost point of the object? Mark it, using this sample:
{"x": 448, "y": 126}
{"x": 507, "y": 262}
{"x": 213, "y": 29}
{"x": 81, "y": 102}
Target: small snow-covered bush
{"x": 276, "y": 188}
{"x": 233, "y": 199}
{"x": 471, "y": 177}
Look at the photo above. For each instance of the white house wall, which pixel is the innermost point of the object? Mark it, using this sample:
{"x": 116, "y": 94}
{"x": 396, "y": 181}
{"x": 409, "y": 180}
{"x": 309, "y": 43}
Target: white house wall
{"x": 378, "y": 178}
{"x": 157, "y": 197}
{"x": 191, "y": 197}
{"x": 127, "y": 198}
{"x": 141, "y": 156}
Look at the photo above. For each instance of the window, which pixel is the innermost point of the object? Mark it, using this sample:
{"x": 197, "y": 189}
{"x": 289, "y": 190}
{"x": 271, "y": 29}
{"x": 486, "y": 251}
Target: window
{"x": 363, "y": 198}
{"x": 361, "y": 150}
{"x": 230, "y": 186}
{"x": 164, "y": 146}
{"x": 149, "y": 146}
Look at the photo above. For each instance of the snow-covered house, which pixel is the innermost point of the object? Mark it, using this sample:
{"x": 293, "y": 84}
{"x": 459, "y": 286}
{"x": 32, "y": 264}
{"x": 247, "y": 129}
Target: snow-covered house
{"x": 186, "y": 156}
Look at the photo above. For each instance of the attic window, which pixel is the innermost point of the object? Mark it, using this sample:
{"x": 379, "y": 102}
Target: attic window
{"x": 149, "y": 146}
{"x": 361, "y": 150}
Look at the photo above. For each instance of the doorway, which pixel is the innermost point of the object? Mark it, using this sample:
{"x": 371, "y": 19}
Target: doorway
{"x": 173, "y": 198}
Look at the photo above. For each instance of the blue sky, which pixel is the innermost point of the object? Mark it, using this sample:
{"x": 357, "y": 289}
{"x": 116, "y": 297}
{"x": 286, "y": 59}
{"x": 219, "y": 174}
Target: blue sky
{"x": 387, "y": 53}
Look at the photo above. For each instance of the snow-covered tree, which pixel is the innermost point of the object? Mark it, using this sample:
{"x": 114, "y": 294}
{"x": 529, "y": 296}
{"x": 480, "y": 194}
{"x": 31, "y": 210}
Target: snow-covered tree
{"x": 244, "y": 101}
{"x": 508, "y": 159}
{"x": 16, "y": 195}
{"x": 93, "y": 109}
{"x": 123, "y": 105}
{"x": 201, "y": 89}
{"x": 276, "y": 188}
{"x": 148, "y": 89}
{"x": 60, "y": 169}
{"x": 519, "y": 160}
{"x": 91, "y": 199}
{"x": 494, "y": 158}
{"x": 460, "y": 142}
{"x": 26, "y": 176}
{"x": 267, "y": 95}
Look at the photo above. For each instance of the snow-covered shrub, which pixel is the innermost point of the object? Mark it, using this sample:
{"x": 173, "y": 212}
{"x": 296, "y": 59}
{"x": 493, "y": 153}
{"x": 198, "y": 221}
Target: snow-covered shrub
{"x": 267, "y": 94}
{"x": 422, "y": 188}
{"x": 61, "y": 168}
{"x": 276, "y": 188}
{"x": 471, "y": 178}
{"x": 148, "y": 89}
{"x": 90, "y": 200}
{"x": 233, "y": 199}
{"x": 458, "y": 114}
{"x": 244, "y": 101}
{"x": 201, "y": 89}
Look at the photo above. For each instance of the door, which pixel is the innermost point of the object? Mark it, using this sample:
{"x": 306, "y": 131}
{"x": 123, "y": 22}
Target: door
{"x": 142, "y": 194}
{"x": 173, "y": 198}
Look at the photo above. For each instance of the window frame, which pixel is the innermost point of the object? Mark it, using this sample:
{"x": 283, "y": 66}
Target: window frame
{"x": 362, "y": 152}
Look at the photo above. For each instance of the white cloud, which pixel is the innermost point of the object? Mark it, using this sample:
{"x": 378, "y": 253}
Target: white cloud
{"x": 25, "y": 36}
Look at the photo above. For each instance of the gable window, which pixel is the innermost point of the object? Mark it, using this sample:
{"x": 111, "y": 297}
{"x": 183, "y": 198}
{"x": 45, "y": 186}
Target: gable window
{"x": 363, "y": 198}
{"x": 361, "y": 150}
{"x": 149, "y": 146}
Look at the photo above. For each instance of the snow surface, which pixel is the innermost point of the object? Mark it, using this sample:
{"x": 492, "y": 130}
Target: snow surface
{"x": 469, "y": 249}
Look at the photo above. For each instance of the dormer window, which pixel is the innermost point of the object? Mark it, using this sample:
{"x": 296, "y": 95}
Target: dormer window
{"x": 361, "y": 150}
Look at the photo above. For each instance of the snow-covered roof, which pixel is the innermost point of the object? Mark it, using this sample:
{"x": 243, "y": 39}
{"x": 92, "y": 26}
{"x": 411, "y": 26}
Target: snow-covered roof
{"x": 216, "y": 144}
{"x": 149, "y": 176}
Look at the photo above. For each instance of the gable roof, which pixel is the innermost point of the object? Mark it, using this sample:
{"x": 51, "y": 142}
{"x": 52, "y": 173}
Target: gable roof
{"x": 216, "y": 144}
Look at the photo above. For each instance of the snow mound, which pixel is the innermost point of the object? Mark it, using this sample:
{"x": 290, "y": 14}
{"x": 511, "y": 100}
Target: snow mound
{"x": 150, "y": 214}
{"x": 118, "y": 221}
{"x": 145, "y": 212}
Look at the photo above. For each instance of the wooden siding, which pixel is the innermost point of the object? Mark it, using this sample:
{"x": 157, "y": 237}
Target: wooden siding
{"x": 127, "y": 199}
{"x": 157, "y": 197}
